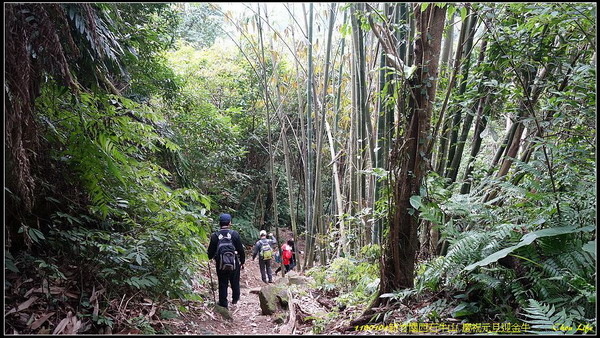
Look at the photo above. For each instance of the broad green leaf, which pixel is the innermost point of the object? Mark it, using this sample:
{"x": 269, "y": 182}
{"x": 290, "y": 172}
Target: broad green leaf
{"x": 465, "y": 309}
{"x": 9, "y": 262}
{"x": 409, "y": 71}
{"x": 590, "y": 247}
{"x": 463, "y": 13}
{"x": 526, "y": 240}
{"x": 415, "y": 201}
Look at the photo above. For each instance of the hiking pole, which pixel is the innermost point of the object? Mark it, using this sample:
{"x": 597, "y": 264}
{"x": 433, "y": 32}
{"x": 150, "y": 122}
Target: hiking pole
{"x": 212, "y": 283}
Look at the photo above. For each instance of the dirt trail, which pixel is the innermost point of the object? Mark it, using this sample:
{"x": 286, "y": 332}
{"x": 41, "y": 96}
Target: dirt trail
{"x": 247, "y": 314}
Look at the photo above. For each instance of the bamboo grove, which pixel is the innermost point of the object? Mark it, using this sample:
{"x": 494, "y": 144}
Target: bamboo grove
{"x": 454, "y": 142}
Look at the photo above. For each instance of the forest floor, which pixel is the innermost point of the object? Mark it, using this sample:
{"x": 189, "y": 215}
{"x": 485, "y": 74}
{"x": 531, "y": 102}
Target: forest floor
{"x": 247, "y": 317}
{"x": 313, "y": 312}
{"x": 246, "y": 314}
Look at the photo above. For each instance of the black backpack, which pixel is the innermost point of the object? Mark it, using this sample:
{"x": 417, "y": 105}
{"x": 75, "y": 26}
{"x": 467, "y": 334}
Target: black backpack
{"x": 226, "y": 252}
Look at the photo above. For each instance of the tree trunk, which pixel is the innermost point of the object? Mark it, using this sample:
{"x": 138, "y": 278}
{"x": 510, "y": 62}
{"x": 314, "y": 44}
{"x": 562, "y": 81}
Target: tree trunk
{"x": 451, "y": 170}
{"x": 480, "y": 125}
{"x": 409, "y": 156}
{"x": 310, "y": 227}
{"x": 317, "y": 219}
{"x": 456, "y": 160}
{"x": 302, "y": 146}
{"x": 271, "y": 150}
{"x": 339, "y": 195}
{"x": 445, "y": 61}
{"x": 443, "y": 125}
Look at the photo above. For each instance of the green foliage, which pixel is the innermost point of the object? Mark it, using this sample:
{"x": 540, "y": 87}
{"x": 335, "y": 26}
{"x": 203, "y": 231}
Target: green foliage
{"x": 428, "y": 203}
{"x": 200, "y": 24}
{"x": 107, "y": 141}
{"x": 151, "y": 259}
{"x": 201, "y": 120}
{"x": 527, "y": 240}
{"x": 353, "y": 281}
{"x": 537, "y": 254}
{"x": 145, "y": 31}
{"x": 9, "y": 262}
{"x": 219, "y": 119}
{"x": 247, "y": 230}
{"x": 546, "y": 319}
{"x": 150, "y": 236}
{"x": 142, "y": 323}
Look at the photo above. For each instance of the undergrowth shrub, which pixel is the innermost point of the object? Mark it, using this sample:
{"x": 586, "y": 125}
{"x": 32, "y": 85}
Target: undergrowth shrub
{"x": 134, "y": 230}
{"x": 526, "y": 259}
{"x": 351, "y": 280}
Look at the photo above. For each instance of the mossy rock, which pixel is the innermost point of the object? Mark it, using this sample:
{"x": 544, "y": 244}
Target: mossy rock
{"x": 223, "y": 311}
{"x": 280, "y": 318}
{"x": 269, "y": 300}
{"x": 283, "y": 298}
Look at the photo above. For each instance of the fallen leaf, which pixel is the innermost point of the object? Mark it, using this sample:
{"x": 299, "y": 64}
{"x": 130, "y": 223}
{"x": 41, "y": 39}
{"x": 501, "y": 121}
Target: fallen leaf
{"x": 152, "y": 311}
{"x": 32, "y": 290}
{"x": 210, "y": 315}
{"x": 73, "y": 326}
{"x": 95, "y": 293}
{"x": 96, "y": 310}
{"x": 71, "y": 295}
{"x": 27, "y": 303}
{"x": 41, "y": 320}
{"x": 63, "y": 323}
{"x": 54, "y": 290}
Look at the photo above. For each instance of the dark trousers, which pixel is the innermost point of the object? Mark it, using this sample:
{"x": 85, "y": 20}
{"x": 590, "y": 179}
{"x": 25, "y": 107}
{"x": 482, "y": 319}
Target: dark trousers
{"x": 226, "y": 278}
{"x": 287, "y": 268}
{"x": 265, "y": 269}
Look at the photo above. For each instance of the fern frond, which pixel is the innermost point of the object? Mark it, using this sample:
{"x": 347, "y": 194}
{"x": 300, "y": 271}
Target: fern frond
{"x": 489, "y": 282}
{"x": 541, "y": 316}
{"x": 520, "y": 293}
{"x": 544, "y": 316}
{"x": 467, "y": 248}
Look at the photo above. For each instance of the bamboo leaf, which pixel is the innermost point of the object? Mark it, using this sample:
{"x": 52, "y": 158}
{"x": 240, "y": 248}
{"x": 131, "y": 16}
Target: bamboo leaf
{"x": 41, "y": 320}
{"x": 27, "y": 303}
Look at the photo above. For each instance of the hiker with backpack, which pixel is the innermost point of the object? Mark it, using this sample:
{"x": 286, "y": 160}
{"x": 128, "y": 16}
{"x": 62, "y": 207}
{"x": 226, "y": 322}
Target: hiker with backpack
{"x": 292, "y": 247}
{"x": 227, "y": 250}
{"x": 264, "y": 250}
{"x": 287, "y": 255}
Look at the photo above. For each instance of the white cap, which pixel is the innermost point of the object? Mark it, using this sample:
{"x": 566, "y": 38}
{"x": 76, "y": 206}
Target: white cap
{"x": 263, "y": 233}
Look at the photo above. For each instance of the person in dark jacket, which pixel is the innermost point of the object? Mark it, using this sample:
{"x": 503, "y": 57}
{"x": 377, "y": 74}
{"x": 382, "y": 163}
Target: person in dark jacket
{"x": 227, "y": 277}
